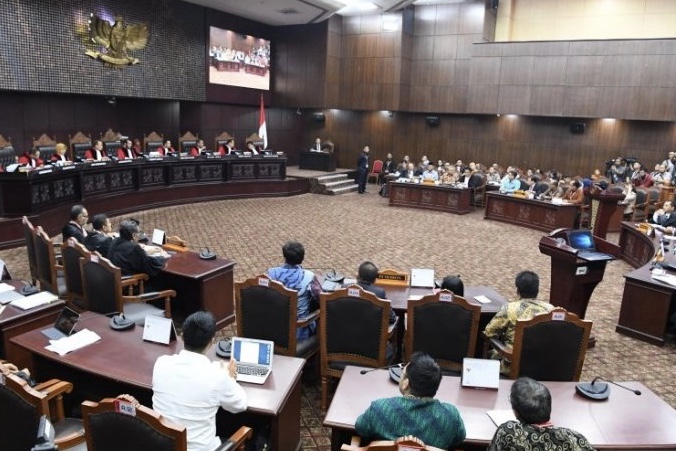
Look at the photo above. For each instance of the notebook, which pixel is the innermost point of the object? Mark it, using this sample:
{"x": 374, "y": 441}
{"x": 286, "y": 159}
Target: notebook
{"x": 253, "y": 358}
{"x": 583, "y": 241}
{"x": 64, "y": 324}
{"x": 480, "y": 373}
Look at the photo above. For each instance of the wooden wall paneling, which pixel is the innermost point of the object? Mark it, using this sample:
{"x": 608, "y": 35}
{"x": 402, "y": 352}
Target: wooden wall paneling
{"x": 471, "y": 20}
{"x": 617, "y": 101}
{"x": 445, "y": 47}
{"x": 424, "y": 21}
{"x": 447, "y": 20}
{"x": 482, "y": 99}
{"x": 546, "y": 100}
{"x": 655, "y": 103}
{"x": 517, "y": 70}
{"x": 658, "y": 71}
{"x": 549, "y": 70}
{"x": 621, "y": 70}
{"x": 514, "y": 99}
{"x": 584, "y": 70}
{"x": 581, "y": 100}
{"x": 423, "y": 48}
{"x": 485, "y": 70}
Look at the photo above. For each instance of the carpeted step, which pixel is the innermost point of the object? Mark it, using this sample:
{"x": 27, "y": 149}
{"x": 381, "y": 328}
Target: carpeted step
{"x": 343, "y": 190}
{"x": 338, "y": 184}
{"x": 331, "y": 178}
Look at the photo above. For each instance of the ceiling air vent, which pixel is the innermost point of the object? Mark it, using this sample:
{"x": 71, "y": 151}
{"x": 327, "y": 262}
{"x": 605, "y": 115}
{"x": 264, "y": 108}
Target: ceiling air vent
{"x": 288, "y": 11}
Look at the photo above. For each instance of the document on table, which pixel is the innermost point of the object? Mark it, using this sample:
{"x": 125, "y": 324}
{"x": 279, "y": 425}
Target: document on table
{"x": 76, "y": 341}
{"x": 666, "y": 278}
{"x": 5, "y": 286}
{"x": 43, "y": 297}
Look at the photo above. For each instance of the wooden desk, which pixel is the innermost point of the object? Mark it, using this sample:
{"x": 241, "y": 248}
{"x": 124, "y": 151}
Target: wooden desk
{"x": 431, "y": 197}
{"x": 625, "y": 421}
{"x": 200, "y": 285}
{"x": 647, "y": 304}
{"x": 14, "y": 321}
{"x": 121, "y": 362}
{"x": 535, "y": 214}
{"x": 317, "y": 161}
{"x": 636, "y": 248}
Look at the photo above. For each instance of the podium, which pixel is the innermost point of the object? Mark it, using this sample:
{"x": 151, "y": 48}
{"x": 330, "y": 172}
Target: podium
{"x": 603, "y": 206}
{"x": 573, "y": 279}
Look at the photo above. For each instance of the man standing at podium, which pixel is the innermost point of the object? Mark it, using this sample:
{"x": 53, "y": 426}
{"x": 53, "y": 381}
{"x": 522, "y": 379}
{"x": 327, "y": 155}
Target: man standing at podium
{"x": 503, "y": 325}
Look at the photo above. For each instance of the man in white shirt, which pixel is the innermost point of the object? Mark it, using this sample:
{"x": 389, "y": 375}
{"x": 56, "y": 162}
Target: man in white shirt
{"x": 188, "y": 388}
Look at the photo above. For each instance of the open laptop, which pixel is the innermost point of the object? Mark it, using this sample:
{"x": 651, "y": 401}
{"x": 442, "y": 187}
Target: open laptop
{"x": 254, "y": 359}
{"x": 583, "y": 241}
{"x": 64, "y": 324}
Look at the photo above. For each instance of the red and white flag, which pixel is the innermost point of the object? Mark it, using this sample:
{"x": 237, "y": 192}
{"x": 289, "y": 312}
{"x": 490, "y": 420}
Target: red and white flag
{"x": 262, "y": 129}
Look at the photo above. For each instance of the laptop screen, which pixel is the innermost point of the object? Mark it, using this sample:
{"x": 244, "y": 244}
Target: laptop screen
{"x": 252, "y": 351}
{"x": 66, "y": 321}
{"x": 581, "y": 239}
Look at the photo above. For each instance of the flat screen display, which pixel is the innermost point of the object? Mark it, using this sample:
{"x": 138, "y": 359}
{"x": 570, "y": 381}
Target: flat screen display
{"x": 581, "y": 239}
{"x": 237, "y": 59}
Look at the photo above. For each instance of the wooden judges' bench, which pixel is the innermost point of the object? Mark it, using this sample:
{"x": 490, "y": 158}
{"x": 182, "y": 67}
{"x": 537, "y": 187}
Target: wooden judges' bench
{"x": 118, "y": 187}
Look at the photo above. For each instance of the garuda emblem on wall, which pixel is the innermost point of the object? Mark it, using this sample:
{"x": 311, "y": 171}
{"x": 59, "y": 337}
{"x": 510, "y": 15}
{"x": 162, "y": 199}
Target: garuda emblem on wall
{"x": 117, "y": 40}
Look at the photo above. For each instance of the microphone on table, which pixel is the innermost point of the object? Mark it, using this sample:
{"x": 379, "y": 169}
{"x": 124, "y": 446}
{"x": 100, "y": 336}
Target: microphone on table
{"x": 364, "y": 371}
{"x": 206, "y": 254}
{"x": 599, "y": 391}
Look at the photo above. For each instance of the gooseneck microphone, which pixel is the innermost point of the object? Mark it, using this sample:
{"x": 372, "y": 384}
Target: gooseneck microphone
{"x": 364, "y": 371}
{"x": 599, "y": 390}
{"x": 636, "y": 392}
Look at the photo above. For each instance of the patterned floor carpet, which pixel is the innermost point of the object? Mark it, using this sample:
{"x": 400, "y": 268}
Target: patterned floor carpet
{"x": 340, "y": 232}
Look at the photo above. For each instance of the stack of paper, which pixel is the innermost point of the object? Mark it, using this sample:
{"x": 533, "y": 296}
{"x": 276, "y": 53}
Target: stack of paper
{"x": 76, "y": 341}
{"x": 43, "y": 297}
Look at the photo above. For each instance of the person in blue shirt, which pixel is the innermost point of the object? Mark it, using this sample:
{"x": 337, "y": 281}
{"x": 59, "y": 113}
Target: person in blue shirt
{"x": 294, "y": 277}
{"x": 430, "y": 173}
{"x": 510, "y": 183}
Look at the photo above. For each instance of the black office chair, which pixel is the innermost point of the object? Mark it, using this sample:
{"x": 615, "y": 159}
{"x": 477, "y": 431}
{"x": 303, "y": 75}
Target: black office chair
{"x": 103, "y": 287}
{"x": 354, "y": 330}
{"x": 548, "y": 347}
{"x": 267, "y": 310}
{"x": 21, "y": 407}
{"x": 445, "y": 327}
{"x": 107, "y": 429}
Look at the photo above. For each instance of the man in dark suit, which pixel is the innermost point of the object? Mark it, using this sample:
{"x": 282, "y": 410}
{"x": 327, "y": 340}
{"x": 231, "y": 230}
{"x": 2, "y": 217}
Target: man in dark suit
{"x": 389, "y": 167}
{"x": 99, "y": 240}
{"x": 75, "y": 227}
{"x": 666, "y": 217}
{"x": 536, "y": 186}
{"x": 363, "y": 170}
{"x": 366, "y": 276}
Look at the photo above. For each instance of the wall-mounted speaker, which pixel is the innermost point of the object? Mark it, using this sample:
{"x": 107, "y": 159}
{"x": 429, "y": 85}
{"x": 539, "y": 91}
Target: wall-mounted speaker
{"x": 577, "y": 128}
{"x": 319, "y": 117}
{"x": 432, "y": 121}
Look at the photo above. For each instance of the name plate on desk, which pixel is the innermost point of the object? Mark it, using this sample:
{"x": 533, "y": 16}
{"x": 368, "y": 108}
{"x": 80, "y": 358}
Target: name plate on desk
{"x": 68, "y": 167}
{"x": 213, "y": 157}
{"x": 159, "y": 330}
{"x": 45, "y": 171}
{"x": 125, "y": 161}
{"x": 102, "y": 163}
{"x": 191, "y": 157}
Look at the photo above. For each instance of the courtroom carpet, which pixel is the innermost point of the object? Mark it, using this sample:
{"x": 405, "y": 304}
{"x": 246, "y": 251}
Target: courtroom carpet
{"x": 340, "y": 232}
